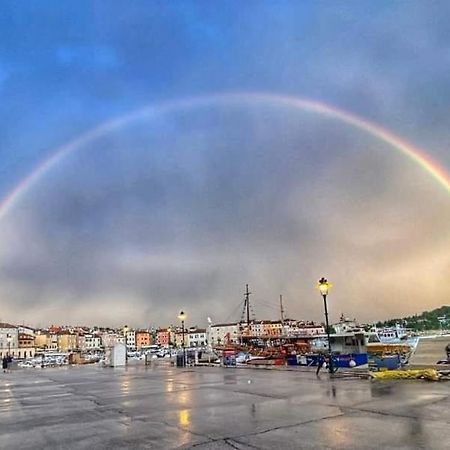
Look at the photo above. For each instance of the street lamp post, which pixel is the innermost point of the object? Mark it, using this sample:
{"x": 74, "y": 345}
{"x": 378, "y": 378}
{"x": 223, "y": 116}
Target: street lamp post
{"x": 209, "y": 341}
{"x": 324, "y": 286}
{"x": 169, "y": 332}
{"x": 125, "y": 339}
{"x": 182, "y": 317}
{"x": 9, "y": 339}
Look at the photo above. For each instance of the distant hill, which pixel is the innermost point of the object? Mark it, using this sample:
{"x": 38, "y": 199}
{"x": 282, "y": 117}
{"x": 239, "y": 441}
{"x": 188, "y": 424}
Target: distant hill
{"x": 428, "y": 320}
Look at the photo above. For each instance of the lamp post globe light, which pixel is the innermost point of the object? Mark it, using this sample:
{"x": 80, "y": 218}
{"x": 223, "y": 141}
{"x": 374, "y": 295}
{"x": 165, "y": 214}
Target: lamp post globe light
{"x": 169, "y": 333}
{"x": 324, "y": 287}
{"x": 182, "y": 317}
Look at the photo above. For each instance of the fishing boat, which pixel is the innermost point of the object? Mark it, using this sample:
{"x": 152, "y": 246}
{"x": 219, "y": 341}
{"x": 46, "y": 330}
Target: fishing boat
{"x": 392, "y": 335}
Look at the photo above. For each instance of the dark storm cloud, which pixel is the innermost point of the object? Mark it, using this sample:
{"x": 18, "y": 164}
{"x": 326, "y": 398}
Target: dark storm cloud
{"x": 183, "y": 211}
{"x": 139, "y": 221}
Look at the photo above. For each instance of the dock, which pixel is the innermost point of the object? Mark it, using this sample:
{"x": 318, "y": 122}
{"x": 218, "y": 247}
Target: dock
{"x": 429, "y": 351}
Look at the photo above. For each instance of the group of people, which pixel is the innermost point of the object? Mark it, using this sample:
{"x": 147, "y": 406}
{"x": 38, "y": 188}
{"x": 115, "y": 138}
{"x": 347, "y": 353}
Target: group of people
{"x": 329, "y": 363}
{"x": 6, "y": 363}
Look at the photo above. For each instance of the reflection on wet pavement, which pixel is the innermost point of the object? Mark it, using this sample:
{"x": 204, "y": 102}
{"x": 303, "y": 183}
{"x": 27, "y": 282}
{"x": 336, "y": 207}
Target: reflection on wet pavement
{"x": 161, "y": 407}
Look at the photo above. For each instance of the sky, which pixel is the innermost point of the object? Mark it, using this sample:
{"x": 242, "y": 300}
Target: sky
{"x": 199, "y": 188}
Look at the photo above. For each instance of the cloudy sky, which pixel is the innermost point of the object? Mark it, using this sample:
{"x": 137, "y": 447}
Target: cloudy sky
{"x": 197, "y": 192}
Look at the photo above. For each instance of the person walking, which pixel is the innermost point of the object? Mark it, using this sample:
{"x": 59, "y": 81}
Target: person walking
{"x": 5, "y": 364}
{"x": 9, "y": 361}
{"x": 320, "y": 363}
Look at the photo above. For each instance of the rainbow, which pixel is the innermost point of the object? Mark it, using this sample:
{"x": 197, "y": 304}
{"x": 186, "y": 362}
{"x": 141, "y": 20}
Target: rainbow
{"x": 415, "y": 154}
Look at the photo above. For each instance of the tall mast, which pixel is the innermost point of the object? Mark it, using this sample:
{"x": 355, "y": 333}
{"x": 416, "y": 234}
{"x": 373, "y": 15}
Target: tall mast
{"x": 247, "y": 305}
{"x": 281, "y": 310}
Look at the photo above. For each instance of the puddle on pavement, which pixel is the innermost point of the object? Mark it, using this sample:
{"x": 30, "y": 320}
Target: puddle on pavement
{"x": 230, "y": 379}
{"x": 381, "y": 390}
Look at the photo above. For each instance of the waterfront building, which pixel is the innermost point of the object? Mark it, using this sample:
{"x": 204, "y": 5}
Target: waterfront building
{"x": 52, "y": 342}
{"x": 143, "y": 339}
{"x": 25, "y": 329}
{"x": 66, "y": 341}
{"x": 264, "y": 328}
{"x": 40, "y": 340}
{"x": 224, "y": 333}
{"x": 196, "y": 337}
{"x": 301, "y": 329}
{"x": 54, "y": 329}
{"x": 9, "y": 339}
{"x": 257, "y": 328}
{"x": 81, "y": 341}
{"x": 26, "y": 346}
{"x": 44, "y": 340}
{"x": 131, "y": 340}
{"x": 272, "y": 328}
{"x": 307, "y": 329}
{"x": 109, "y": 338}
{"x": 178, "y": 337}
{"x": 164, "y": 337}
{"x": 92, "y": 342}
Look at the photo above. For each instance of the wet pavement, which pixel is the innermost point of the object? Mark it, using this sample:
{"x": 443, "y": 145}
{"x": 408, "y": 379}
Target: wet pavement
{"x": 214, "y": 408}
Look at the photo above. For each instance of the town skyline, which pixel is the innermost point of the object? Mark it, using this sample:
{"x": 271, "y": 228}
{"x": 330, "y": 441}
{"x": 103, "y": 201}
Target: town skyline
{"x": 155, "y": 325}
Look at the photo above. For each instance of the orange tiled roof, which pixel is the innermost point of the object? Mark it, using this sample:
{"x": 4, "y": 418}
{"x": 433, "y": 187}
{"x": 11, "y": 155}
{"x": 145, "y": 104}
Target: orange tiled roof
{"x": 6, "y": 325}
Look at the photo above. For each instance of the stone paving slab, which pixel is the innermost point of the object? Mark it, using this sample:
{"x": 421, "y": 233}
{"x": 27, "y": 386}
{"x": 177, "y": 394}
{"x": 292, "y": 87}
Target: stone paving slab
{"x": 163, "y": 407}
